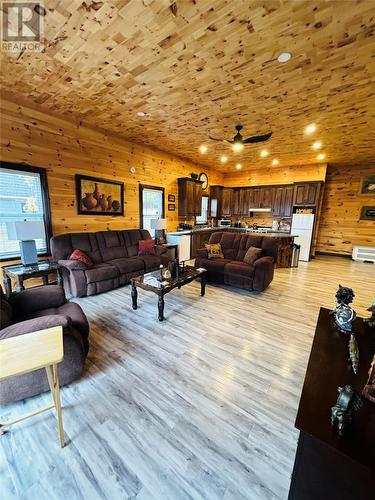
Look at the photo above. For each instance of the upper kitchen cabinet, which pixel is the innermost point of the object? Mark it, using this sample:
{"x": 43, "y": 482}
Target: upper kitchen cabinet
{"x": 244, "y": 201}
{"x": 216, "y": 193}
{"x": 236, "y": 202}
{"x": 254, "y": 198}
{"x": 307, "y": 193}
{"x": 189, "y": 197}
{"x": 265, "y": 197}
{"x": 226, "y": 205}
{"x": 282, "y": 201}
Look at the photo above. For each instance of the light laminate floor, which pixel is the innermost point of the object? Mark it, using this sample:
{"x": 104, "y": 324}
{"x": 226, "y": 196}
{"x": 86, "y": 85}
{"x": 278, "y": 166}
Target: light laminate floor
{"x": 200, "y": 406}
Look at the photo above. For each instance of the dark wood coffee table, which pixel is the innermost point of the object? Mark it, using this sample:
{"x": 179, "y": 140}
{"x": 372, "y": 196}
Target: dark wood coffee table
{"x": 151, "y": 282}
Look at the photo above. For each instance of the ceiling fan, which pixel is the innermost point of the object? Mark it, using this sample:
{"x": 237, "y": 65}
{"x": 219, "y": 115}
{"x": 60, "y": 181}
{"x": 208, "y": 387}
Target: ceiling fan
{"x": 238, "y": 141}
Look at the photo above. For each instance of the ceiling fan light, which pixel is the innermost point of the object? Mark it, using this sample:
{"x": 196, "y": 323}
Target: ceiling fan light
{"x": 237, "y": 146}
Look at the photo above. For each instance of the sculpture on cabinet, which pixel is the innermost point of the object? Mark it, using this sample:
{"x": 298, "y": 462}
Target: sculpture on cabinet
{"x": 343, "y": 314}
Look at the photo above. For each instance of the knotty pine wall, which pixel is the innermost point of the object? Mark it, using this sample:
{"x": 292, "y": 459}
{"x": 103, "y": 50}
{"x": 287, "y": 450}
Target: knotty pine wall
{"x": 340, "y": 227}
{"x": 65, "y": 148}
{"x": 264, "y": 176}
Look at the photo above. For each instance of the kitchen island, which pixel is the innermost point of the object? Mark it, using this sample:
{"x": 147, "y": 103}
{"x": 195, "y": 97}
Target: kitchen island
{"x": 197, "y": 237}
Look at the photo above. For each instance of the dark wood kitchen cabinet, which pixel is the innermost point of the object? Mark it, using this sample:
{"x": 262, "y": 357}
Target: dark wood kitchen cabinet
{"x": 189, "y": 197}
{"x": 216, "y": 193}
{"x": 265, "y": 196}
{"x": 244, "y": 201}
{"x": 282, "y": 201}
{"x": 306, "y": 194}
{"x": 226, "y": 204}
{"x": 236, "y": 210}
{"x": 254, "y": 198}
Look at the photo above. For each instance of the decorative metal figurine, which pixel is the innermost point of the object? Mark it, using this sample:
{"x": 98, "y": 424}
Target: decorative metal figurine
{"x": 369, "y": 389}
{"x": 344, "y": 315}
{"x": 353, "y": 353}
{"x": 371, "y": 321}
{"x": 347, "y": 403}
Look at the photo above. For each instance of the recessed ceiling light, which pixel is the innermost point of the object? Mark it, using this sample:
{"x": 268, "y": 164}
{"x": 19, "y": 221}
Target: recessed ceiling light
{"x": 237, "y": 146}
{"x": 284, "y": 57}
{"x": 203, "y": 148}
{"x": 317, "y": 145}
{"x": 321, "y": 156}
{"x": 223, "y": 159}
{"x": 275, "y": 162}
{"x": 264, "y": 153}
{"x": 238, "y": 166}
{"x": 310, "y": 129}
{"x": 141, "y": 113}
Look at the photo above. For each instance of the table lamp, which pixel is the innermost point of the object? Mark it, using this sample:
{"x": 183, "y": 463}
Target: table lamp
{"x": 26, "y": 232}
{"x": 160, "y": 225}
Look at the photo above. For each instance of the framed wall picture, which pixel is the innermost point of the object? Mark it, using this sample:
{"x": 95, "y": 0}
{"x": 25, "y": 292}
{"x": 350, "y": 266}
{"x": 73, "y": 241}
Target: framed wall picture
{"x": 171, "y": 207}
{"x": 97, "y": 196}
{"x": 171, "y": 198}
{"x": 368, "y": 185}
{"x": 367, "y": 213}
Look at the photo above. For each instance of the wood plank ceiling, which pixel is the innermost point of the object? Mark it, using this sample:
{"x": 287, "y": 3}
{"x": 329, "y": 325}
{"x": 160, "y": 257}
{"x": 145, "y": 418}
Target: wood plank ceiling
{"x": 198, "y": 67}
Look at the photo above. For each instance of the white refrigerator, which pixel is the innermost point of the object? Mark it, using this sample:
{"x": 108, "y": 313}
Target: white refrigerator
{"x": 302, "y": 227}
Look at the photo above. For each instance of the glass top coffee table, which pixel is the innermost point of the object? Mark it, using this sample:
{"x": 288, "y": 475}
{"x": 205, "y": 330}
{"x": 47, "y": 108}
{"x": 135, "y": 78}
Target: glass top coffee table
{"x": 153, "y": 283}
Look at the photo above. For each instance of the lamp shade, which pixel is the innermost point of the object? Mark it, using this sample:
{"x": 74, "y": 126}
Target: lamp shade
{"x": 25, "y": 230}
{"x": 161, "y": 224}
{"x": 158, "y": 224}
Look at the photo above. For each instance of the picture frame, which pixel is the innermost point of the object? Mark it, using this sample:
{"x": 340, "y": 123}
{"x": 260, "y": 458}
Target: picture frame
{"x": 171, "y": 207}
{"x": 367, "y": 213}
{"x": 368, "y": 185}
{"x": 171, "y": 198}
{"x": 98, "y": 196}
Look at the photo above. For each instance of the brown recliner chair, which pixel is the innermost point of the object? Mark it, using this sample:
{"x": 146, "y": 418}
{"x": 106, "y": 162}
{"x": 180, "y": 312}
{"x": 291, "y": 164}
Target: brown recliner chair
{"x": 232, "y": 270}
{"x": 36, "y": 309}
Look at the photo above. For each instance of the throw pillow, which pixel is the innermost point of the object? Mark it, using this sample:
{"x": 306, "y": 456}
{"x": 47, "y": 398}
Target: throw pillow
{"x": 82, "y": 257}
{"x": 214, "y": 251}
{"x": 252, "y": 254}
{"x": 146, "y": 247}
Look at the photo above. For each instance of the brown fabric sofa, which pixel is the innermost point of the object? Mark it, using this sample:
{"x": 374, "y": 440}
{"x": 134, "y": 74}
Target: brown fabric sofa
{"x": 115, "y": 257}
{"x": 36, "y": 309}
{"x": 232, "y": 270}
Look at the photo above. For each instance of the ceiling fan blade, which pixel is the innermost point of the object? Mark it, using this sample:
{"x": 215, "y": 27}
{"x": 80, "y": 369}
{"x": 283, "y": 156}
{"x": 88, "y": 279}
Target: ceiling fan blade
{"x": 257, "y": 138}
{"x": 216, "y": 139}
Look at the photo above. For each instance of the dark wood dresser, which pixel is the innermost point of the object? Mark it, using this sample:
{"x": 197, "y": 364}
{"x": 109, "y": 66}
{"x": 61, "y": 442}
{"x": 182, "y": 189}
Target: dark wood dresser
{"x": 327, "y": 466}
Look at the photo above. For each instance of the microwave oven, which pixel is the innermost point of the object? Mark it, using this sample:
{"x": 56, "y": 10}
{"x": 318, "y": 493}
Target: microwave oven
{"x": 224, "y": 223}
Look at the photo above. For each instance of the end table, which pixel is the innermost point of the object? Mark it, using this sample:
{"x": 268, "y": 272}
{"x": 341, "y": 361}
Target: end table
{"x": 21, "y": 273}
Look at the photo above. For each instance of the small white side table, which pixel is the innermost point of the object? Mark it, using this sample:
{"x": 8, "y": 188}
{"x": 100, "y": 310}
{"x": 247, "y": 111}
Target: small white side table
{"x": 30, "y": 352}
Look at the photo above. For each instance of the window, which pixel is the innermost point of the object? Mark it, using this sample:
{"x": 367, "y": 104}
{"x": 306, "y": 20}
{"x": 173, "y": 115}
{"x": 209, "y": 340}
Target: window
{"x": 23, "y": 196}
{"x": 202, "y": 218}
{"x": 151, "y": 206}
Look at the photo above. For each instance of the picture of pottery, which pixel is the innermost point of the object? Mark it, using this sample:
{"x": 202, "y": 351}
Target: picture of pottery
{"x": 99, "y": 196}
{"x": 89, "y": 201}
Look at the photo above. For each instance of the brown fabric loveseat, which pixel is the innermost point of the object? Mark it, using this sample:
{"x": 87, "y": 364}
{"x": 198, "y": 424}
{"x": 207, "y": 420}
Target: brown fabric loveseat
{"x": 36, "y": 309}
{"x": 232, "y": 270}
{"x": 115, "y": 257}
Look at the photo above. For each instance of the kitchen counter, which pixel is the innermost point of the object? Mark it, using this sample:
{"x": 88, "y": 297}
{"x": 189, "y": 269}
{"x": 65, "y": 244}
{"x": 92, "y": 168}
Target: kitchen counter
{"x": 278, "y": 234}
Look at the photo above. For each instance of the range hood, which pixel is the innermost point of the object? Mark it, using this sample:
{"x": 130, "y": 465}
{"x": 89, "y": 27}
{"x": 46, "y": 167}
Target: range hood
{"x": 260, "y": 209}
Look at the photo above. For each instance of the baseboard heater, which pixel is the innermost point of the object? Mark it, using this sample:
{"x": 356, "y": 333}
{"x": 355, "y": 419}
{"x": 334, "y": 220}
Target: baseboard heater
{"x": 364, "y": 254}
